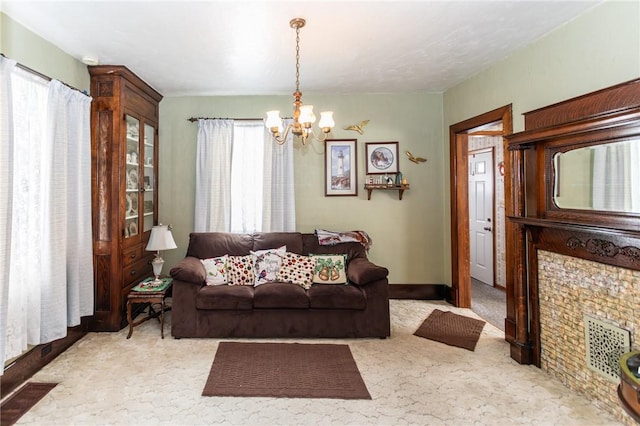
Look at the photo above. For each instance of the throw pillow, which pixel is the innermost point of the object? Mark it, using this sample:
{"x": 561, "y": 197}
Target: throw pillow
{"x": 216, "y": 270}
{"x": 330, "y": 268}
{"x": 266, "y": 264}
{"x": 297, "y": 269}
{"x": 240, "y": 270}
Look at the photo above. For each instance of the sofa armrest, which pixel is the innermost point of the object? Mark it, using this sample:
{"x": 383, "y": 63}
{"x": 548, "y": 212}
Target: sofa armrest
{"x": 189, "y": 269}
{"x": 361, "y": 271}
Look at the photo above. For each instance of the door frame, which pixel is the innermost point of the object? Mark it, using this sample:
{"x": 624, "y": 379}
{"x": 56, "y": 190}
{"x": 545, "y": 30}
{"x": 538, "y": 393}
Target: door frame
{"x": 459, "y": 194}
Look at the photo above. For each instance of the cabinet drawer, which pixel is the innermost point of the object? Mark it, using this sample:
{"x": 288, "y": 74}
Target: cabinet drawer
{"x": 137, "y": 271}
{"x": 132, "y": 255}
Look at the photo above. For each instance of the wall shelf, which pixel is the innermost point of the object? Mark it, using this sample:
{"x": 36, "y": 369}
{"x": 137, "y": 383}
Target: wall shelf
{"x": 400, "y": 189}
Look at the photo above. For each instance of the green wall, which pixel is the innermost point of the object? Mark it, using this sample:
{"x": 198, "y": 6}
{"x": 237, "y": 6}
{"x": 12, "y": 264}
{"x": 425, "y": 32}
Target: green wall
{"x": 598, "y": 49}
{"x": 407, "y": 234}
{"x": 412, "y": 236}
{"x": 31, "y": 50}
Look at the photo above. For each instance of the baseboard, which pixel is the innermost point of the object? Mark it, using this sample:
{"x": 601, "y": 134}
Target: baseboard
{"x": 31, "y": 362}
{"x": 419, "y": 291}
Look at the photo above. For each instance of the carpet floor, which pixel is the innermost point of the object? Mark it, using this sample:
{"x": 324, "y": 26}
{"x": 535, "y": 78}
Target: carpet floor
{"x": 489, "y": 302}
{"x": 108, "y": 379}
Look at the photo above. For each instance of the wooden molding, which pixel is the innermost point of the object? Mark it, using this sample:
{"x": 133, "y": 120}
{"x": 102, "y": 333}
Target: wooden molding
{"x": 419, "y": 291}
{"x": 31, "y": 362}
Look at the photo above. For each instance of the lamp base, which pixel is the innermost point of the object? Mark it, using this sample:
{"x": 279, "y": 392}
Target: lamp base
{"x": 157, "y": 281}
{"x": 157, "y": 263}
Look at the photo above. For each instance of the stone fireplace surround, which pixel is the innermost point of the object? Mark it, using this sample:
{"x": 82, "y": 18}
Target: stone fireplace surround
{"x": 568, "y": 263}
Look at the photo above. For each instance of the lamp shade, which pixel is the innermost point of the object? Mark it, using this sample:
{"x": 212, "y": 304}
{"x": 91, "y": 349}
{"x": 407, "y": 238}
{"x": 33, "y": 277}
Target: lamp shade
{"x": 306, "y": 114}
{"x": 273, "y": 120}
{"x": 326, "y": 119}
{"x": 161, "y": 239}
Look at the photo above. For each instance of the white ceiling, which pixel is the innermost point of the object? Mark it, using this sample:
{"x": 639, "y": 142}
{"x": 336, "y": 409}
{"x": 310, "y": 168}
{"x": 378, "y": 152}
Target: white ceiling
{"x": 247, "y": 47}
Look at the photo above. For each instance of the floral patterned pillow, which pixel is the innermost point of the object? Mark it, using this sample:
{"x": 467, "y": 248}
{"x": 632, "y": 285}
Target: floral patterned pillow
{"x": 297, "y": 269}
{"x": 266, "y": 264}
{"x": 216, "y": 270}
{"x": 240, "y": 270}
{"x": 330, "y": 268}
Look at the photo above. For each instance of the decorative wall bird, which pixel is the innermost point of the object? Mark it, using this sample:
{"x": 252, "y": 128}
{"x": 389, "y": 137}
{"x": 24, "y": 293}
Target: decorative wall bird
{"x": 415, "y": 159}
{"x": 357, "y": 127}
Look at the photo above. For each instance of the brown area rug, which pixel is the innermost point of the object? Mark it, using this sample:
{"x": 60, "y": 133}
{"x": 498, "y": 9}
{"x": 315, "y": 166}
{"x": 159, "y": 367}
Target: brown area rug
{"x": 20, "y": 402}
{"x": 451, "y": 329}
{"x": 290, "y": 370}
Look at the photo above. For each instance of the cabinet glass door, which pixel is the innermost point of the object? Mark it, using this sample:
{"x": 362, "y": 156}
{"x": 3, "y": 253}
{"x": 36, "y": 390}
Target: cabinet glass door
{"x": 132, "y": 186}
{"x": 148, "y": 183}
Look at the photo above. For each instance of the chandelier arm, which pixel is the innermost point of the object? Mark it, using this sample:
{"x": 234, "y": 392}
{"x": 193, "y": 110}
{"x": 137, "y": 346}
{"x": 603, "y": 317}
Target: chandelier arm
{"x": 280, "y": 140}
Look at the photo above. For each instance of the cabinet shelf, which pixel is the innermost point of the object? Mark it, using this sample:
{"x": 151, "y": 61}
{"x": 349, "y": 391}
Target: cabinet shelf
{"x": 370, "y": 188}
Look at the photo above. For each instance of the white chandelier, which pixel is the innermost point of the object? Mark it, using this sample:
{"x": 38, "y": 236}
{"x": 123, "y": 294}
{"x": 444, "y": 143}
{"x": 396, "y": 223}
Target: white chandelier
{"x": 303, "y": 116}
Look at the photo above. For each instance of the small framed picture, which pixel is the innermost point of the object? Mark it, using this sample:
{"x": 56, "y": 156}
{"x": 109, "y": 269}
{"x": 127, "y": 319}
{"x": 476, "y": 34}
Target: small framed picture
{"x": 381, "y": 158}
{"x": 340, "y": 169}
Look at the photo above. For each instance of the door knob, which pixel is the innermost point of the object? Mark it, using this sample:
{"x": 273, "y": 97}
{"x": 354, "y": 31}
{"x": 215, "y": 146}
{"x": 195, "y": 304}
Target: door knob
{"x": 487, "y": 228}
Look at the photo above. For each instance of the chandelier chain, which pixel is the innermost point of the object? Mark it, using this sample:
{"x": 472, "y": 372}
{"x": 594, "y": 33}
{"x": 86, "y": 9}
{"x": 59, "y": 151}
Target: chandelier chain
{"x": 297, "y": 59}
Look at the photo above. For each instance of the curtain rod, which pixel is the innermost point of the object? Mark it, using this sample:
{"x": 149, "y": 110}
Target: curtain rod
{"x": 194, "y": 119}
{"x": 43, "y": 76}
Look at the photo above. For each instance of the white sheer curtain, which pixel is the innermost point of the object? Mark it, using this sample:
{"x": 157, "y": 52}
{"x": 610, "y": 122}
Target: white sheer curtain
{"x": 616, "y": 177}
{"x": 279, "y": 213}
{"x": 247, "y": 169}
{"x": 244, "y": 180}
{"x": 49, "y": 273}
{"x": 213, "y": 176}
{"x": 69, "y": 140}
{"x": 6, "y": 185}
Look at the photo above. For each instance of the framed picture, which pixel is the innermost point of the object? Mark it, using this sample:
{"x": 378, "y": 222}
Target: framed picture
{"x": 381, "y": 158}
{"x": 340, "y": 170}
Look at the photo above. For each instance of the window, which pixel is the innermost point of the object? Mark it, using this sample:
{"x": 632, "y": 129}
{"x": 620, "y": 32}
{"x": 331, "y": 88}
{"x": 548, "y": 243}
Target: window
{"x": 244, "y": 180}
{"x": 247, "y": 171}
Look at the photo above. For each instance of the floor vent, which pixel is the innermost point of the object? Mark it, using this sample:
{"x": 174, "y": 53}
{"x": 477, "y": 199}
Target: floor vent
{"x": 605, "y": 344}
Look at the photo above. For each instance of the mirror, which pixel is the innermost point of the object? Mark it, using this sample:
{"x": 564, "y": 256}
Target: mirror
{"x": 603, "y": 177}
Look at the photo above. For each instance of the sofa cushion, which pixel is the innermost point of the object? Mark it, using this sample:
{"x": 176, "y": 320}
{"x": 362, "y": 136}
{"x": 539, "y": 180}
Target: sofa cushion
{"x": 296, "y": 269}
{"x": 216, "y": 268}
{"x": 266, "y": 264}
{"x": 336, "y": 297}
{"x": 330, "y": 268}
{"x": 240, "y": 270}
{"x": 271, "y": 240}
{"x": 225, "y": 297}
{"x": 280, "y": 295}
{"x": 204, "y": 245}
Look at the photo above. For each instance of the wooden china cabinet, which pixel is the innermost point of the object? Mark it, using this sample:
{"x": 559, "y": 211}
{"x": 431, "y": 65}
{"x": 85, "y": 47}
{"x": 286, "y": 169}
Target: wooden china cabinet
{"x": 124, "y": 155}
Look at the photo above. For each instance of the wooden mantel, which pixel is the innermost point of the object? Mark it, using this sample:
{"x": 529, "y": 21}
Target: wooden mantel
{"x": 607, "y": 237}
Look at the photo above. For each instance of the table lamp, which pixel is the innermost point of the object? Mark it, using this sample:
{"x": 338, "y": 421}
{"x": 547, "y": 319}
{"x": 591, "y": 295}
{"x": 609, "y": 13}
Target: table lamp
{"x": 160, "y": 239}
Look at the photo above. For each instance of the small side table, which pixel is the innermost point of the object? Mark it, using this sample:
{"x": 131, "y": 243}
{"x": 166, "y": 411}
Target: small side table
{"x": 145, "y": 292}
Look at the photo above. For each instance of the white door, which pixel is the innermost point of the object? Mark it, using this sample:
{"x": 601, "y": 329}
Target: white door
{"x": 481, "y": 215}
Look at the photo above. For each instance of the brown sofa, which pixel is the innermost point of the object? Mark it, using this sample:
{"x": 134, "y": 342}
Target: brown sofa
{"x": 360, "y": 309}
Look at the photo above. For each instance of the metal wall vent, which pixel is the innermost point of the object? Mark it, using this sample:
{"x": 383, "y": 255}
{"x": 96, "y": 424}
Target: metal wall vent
{"x": 605, "y": 344}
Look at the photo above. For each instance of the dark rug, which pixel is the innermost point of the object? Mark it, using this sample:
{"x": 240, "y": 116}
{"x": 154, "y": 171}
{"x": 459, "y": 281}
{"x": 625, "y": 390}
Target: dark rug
{"x": 290, "y": 370}
{"x": 20, "y": 402}
{"x": 451, "y": 329}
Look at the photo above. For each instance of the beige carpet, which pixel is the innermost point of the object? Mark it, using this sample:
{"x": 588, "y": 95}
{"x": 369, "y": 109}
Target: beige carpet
{"x": 285, "y": 370}
{"x": 106, "y": 379}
